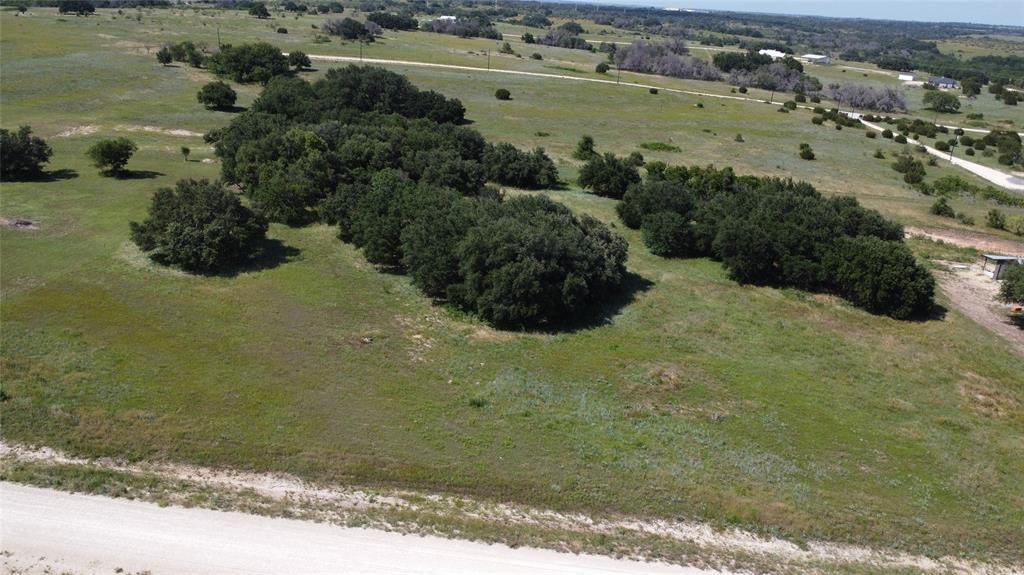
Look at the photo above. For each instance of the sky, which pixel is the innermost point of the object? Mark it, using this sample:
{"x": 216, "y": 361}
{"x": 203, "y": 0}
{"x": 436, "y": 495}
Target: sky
{"x": 1007, "y": 12}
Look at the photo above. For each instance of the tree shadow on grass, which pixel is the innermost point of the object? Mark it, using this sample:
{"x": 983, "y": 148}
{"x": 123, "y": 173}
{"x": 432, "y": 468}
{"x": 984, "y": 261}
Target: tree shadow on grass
{"x": 271, "y": 254}
{"x": 600, "y": 313}
{"x": 138, "y": 175}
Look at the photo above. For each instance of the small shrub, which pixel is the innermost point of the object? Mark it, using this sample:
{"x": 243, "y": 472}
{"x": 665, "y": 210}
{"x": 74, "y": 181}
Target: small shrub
{"x": 941, "y": 146}
{"x": 839, "y": 127}
{"x": 791, "y": 105}
{"x": 537, "y": 56}
{"x": 1011, "y": 288}
{"x": 502, "y": 94}
{"x": 817, "y": 120}
{"x": 900, "y": 139}
{"x": 995, "y": 219}
{"x": 815, "y": 99}
{"x": 784, "y": 110}
{"x": 601, "y": 68}
{"x": 800, "y": 98}
{"x": 871, "y": 135}
{"x": 743, "y": 89}
{"x": 879, "y": 154}
{"x": 739, "y": 138}
{"x": 969, "y": 151}
{"x": 111, "y": 156}
{"x": 282, "y": 30}
{"x": 887, "y": 133}
{"x": 942, "y": 208}
{"x": 965, "y": 219}
{"x": 806, "y": 153}
{"x": 653, "y": 90}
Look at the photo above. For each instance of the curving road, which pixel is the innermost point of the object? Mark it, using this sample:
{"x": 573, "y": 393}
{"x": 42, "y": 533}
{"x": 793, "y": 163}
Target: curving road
{"x": 44, "y": 531}
{"x": 1009, "y": 181}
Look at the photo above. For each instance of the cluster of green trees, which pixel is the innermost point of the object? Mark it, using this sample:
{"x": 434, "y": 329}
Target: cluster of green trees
{"x": 22, "y": 155}
{"x": 348, "y": 29}
{"x": 393, "y": 21}
{"x": 187, "y": 52}
{"x": 365, "y": 150}
{"x": 258, "y": 62}
{"x": 770, "y": 231}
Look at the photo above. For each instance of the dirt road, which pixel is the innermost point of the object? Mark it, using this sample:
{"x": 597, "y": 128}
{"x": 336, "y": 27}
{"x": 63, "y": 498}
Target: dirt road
{"x": 1011, "y": 182}
{"x": 973, "y": 293}
{"x": 43, "y": 529}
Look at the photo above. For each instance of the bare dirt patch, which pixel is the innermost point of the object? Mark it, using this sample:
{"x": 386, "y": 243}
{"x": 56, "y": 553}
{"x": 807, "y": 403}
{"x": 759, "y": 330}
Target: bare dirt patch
{"x": 980, "y": 395}
{"x": 158, "y": 130}
{"x": 973, "y": 294}
{"x": 968, "y": 239}
{"x": 19, "y": 223}
{"x": 78, "y": 131}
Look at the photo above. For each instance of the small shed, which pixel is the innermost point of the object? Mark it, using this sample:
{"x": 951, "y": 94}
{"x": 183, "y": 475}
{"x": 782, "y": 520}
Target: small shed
{"x": 942, "y": 82}
{"x": 994, "y": 265}
{"x": 817, "y": 58}
{"x": 906, "y": 77}
{"x": 447, "y": 18}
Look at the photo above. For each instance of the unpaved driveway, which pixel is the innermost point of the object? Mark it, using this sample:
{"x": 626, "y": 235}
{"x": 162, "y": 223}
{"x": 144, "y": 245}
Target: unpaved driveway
{"x": 45, "y": 531}
{"x": 973, "y": 293}
{"x": 970, "y": 239}
{"x": 1012, "y": 182}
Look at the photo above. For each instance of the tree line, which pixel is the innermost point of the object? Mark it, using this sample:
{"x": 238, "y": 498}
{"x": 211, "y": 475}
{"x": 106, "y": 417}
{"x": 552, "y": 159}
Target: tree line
{"x": 389, "y": 165}
{"x": 770, "y": 231}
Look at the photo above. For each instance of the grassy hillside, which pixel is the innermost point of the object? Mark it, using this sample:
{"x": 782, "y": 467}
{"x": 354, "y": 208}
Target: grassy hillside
{"x": 775, "y": 409}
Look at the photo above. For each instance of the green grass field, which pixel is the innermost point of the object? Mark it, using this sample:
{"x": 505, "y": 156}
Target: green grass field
{"x": 787, "y": 412}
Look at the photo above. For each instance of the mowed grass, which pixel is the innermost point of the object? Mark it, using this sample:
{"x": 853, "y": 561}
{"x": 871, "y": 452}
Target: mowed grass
{"x": 783, "y": 411}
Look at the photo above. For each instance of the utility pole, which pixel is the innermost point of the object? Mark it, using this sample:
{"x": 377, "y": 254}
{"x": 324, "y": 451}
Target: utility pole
{"x": 488, "y": 60}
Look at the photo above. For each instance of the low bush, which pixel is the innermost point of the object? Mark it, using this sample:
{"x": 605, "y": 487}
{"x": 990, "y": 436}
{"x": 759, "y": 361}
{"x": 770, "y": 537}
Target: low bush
{"x": 871, "y": 135}
{"x": 502, "y": 94}
{"x": 942, "y": 208}
{"x": 217, "y": 95}
{"x": 1011, "y": 288}
{"x": 601, "y": 68}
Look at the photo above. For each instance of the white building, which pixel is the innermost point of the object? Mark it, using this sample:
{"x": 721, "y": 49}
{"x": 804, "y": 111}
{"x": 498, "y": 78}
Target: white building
{"x": 906, "y": 77}
{"x": 775, "y": 54}
{"x": 817, "y": 58}
{"x": 446, "y": 18}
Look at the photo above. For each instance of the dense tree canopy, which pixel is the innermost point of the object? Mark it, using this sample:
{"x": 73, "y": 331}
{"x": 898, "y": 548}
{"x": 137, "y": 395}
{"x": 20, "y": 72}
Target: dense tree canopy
{"x": 247, "y": 63}
{"x": 199, "y": 226}
{"x": 942, "y": 101}
{"x": 608, "y": 175}
{"x": 217, "y": 95}
{"x": 769, "y": 231}
{"x": 363, "y": 149}
{"x": 22, "y": 155}
{"x": 393, "y": 21}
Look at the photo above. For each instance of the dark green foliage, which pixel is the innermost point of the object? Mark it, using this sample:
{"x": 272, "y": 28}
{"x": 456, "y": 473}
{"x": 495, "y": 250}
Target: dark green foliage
{"x": 163, "y": 55}
{"x": 969, "y": 152}
{"x": 996, "y": 219}
{"x": 299, "y": 60}
{"x": 572, "y": 28}
{"x": 765, "y": 231}
{"x": 871, "y": 135}
{"x": 942, "y": 146}
{"x": 1011, "y": 288}
{"x": 249, "y": 63}
{"x": 217, "y": 95}
{"x": 22, "y": 155}
{"x": 900, "y": 139}
{"x": 667, "y": 234}
{"x": 365, "y": 150}
{"x": 502, "y": 94}
{"x": 790, "y": 105}
{"x": 259, "y": 10}
{"x": 817, "y": 120}
{"x": 111, "y": 156}
{"x": 881, "y": 276}
{"x": 601, "y": 68}
{"x": 512, "y": 167}
{"x": 77, "y": 7}
{"x": 653, "y": 90}
{"x": 393, "y": 21}
{"x": 536, "y": 56}
{"x": 584, "y": 148}
{"x": 534, "y": 262}
{"x": 942, "y": 208}
{"x": 887, "y": 133}
{"x": 911, "y": 168}
{"x": 199, "y": 226}
{"x": 348, "y": 29}
{"x": 942, "y": 101}
{"x": 608, "y": 175}
{"x": 806, "y": 153}
{"x": 529, "y": 39}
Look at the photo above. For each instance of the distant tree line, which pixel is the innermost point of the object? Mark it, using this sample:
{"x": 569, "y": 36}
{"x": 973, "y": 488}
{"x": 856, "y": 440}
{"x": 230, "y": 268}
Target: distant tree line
{"x": 393, "y": 21}
{"x": 881, "y": 98}
{"x": 388, "y": 164}
{"x": 464, "y": 27}
{"x": 769, "y": 231}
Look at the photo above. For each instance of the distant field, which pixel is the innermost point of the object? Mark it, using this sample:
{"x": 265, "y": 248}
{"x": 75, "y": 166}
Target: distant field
{"x": 782, "y": 411}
